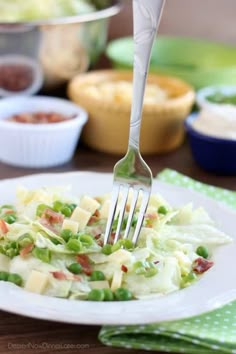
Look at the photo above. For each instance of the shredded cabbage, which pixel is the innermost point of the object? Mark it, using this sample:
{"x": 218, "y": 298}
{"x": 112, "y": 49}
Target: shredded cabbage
{"x": 163, "y": 261}
{"x": 29, "y": 10}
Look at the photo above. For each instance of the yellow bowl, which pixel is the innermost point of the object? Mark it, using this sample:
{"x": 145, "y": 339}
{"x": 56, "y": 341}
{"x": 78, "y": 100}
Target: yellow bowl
{"x": 108, "y": 126}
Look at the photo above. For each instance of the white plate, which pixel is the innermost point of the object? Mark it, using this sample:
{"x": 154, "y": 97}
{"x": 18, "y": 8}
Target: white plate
{"x": 214, "y": 289}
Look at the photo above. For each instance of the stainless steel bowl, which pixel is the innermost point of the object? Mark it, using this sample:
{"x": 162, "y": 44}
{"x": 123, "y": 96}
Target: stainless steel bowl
{"x": 59, "y": 48}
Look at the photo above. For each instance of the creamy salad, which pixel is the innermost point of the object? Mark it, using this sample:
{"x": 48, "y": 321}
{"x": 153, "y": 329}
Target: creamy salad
{"x": 51, "y": 243}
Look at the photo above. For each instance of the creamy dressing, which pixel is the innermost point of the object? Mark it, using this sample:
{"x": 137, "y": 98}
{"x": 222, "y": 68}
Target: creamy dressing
{"x": 219, "y": 121}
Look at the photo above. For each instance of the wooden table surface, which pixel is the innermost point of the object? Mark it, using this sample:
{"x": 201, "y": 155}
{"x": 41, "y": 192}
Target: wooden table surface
{"x": 25, "y": 335}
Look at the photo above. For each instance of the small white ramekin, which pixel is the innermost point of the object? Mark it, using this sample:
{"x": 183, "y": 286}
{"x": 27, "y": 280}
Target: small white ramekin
{"x": 202, "y": 94}
{"x": 37, "y": 80}
{"x": 39, "y": 145}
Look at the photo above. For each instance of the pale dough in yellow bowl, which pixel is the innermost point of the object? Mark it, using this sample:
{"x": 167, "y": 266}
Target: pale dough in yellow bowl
{"x": 107, "y": 97}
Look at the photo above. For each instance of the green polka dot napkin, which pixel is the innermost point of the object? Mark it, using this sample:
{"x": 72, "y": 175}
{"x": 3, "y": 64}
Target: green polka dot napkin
{"x": 214, "y": 332}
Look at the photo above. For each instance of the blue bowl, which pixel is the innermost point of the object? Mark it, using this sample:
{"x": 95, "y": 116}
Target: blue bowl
{"x": 213, "y": 154}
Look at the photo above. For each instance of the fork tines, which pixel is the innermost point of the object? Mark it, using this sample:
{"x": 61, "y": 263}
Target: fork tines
{"x": 119, "y": 208}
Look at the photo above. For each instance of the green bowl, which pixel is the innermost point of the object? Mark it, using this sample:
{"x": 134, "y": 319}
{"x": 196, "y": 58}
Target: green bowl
{"x": 200, "y": 63}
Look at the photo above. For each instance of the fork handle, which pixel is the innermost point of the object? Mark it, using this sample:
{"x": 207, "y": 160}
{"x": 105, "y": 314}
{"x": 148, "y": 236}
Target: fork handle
{"x": 146, "y": 17}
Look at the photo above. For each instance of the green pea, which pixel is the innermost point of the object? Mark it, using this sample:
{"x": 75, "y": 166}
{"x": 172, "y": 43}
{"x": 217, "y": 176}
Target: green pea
{"x": 96, "y": 295}
{"x": 66, "y": 234}
{"x": 11, "y": 249}
{"x": 87, "y": 240}
{"x": 134, "y": 221}
{"x": 10, "y": 218}
{"x": 57, "y": 205}
{"x": 41, "y": 208}
{"x": 74, "y": 245}
{"x": 123, "y": 294}
{"x": 72, "y": 206}
{"x": 12, "y": 244}
{"x": 25, "y": 240}
{"x": 107, "y": 249}
{"x": 188, "y": 279}
{"x": 4, "y": 276}
{"x": 108, "y": 295}
{"x": 55, "y": 241}
{"x": 202, "y": 251}
{"x": 75, "y": 268}
{"x": 65, "y": 210}
{"x": 123, "y": 225}
{"x": 11, "y": 253}
{"x": 15, "y": 278}
{"x": 162, "y": 210}
{"x": 43, "y": 254}
{"x": 128, "y": 244}
{"x": 97, "y": 275}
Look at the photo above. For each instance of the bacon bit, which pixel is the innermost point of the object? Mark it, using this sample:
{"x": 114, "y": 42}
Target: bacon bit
{"x": 97, "y": 213}
{"x": 93, "y": 220}
{"x": 152, "y": 216}
{"x": 59, "y": 275}
{"x": 39, "y": 117}
{"x": 100, "y": 242}
{"x": 201, "y": 265}
{"x": 62, "y": 276}
{"x": 3, "y": 226}
{"x": 127, "y": 207}
{"x": 83, "y": 260}
{"x": 97, "y": 236}
{"x": 9, "y": 211}
{"x": 111, "y": 238}
{"x": 148, "y": 223}
{"x": 52, "y": 216}
{"x": 113, "y": 235}
{"x": 156, "y": 262}
{"x": 46, "y": 224}
{"x": 124, "y": 268}
{"x": 26, "y": 250}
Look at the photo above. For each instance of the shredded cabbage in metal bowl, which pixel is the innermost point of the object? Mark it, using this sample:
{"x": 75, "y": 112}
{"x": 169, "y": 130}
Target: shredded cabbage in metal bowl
{"x": 30, "y": 10}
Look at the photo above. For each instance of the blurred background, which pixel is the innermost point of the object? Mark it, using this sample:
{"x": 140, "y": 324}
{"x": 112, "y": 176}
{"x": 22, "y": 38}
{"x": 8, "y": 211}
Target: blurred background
{"x": 206, "y": 19}
{"x": 75, "y": 49}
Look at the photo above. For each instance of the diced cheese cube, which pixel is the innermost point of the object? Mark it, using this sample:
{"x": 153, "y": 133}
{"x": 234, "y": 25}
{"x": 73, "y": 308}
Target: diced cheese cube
{"x": 104, "y": 211}
{"x": 81, "y": 216}
{"x": 71, "y": 225}
{"x": 116, "y": 280}
{"x": 120, "y": 256}
{"x": 99, "y": 284}
{"x": 89, "y": 204}
{"x": 37, "y": 282}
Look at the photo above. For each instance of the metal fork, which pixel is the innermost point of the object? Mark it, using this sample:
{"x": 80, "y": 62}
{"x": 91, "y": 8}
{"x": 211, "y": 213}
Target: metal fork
{"x": 131, "y": 172}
